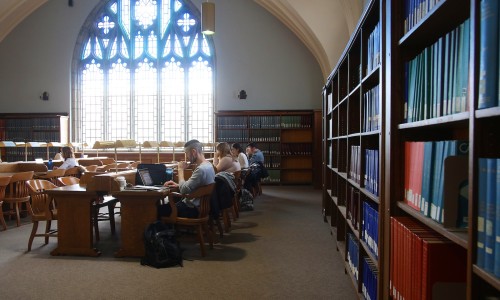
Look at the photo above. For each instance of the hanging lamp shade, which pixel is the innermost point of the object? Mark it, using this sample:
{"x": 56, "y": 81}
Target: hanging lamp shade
{"x": 208, "y": 18}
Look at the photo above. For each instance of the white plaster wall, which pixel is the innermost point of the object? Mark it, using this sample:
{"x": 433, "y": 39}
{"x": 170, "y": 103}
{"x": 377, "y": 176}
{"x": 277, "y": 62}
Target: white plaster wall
{"x": 254, "y": 52}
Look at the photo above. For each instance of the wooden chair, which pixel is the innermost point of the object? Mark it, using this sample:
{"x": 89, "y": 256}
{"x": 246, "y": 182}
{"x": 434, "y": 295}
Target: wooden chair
{"x": 134, "y": 165}
{"x": 201, "y": 224}
{"x": 68, "y": 180}
{"x": 236, "y": 200}
{"x": 42, "y": 209}
{"x": 91, "y": 168}
{"x": 18, "y": 194}
{"x": 74, "y": 172}
{"x": 99, "y": 202}
{"x": 53, "y": 175}
{"x": 4, "y": 182}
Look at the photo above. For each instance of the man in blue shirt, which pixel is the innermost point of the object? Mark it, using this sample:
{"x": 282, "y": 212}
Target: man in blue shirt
{"x": 256, "y": 154}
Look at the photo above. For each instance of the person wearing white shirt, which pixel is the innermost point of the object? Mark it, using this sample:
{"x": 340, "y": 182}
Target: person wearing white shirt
{"x": 69, "y": 159}
{"x": 237, "y": 152}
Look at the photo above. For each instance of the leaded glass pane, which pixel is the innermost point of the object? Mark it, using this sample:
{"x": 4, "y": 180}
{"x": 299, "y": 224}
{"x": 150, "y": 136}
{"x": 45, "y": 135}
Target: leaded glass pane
{"x": 145, "y": 96}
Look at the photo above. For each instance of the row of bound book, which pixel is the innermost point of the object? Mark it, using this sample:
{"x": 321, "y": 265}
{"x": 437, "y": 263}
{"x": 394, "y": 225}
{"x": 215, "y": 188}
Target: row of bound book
{"x": 33, "y": 123}
{"x": 436, "y": 80}
{"x": 353, "y": 254}
{"x": 371, "y": 110}
{"x": 373, "y": 54}
{"x": 489, "y": 60}
{"x": 243, "y": 135}
{"x": 416, "y": 10}
{"x": 424, "y": 265}
{"x": 369, "y": 280}
{"x": 370, "y": 176}
{"x": 369, "y": 227}
{"x": 272, "y": 162}
{"x": 436, "y": 180}
{"x": 488, "y": 219}
{"x": 296, "y": 149}
{"x": 274, "y": 176}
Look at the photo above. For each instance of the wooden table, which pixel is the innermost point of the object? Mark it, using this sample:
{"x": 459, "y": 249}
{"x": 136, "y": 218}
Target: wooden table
{"x": 138, "y": 209}
{"x": 74, "y": 226}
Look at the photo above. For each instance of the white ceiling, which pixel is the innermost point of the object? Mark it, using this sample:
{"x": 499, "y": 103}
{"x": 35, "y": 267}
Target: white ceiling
{"x": 324, "y": 26}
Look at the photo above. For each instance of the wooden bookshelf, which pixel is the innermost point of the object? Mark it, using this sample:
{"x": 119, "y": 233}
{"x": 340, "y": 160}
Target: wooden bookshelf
{"x": 443, "y": 43}
{"x": 445, "y": 24}
{"x": 352, "y": 128}
{"x": 286, "y": 139}
{"x": 32, "y": 127}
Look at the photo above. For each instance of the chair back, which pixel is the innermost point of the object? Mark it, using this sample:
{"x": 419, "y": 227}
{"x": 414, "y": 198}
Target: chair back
{"x": 4, "y": 182}
{"x": 17, "y": 186}
{"x": 53, "y": 175}
{"x": 41, "y": 203}
{"x": 203, "y": 193}
{"x": 68, "y": 180}
{"x": 75, "y": 172}
{"x": 91, "y": 168}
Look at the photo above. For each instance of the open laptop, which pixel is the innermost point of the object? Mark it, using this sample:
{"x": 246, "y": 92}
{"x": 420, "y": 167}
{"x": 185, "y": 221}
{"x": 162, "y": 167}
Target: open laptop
{"x": 147, "y": 181}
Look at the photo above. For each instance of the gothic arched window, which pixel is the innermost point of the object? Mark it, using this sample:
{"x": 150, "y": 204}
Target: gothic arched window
{"x": 143, "y": 70}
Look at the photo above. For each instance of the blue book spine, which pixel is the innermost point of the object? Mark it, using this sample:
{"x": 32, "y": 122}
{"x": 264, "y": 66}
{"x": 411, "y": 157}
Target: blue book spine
{"x": 488, "y": 57}
{"x": 436, "y": 173}
{"x": 427, "y": 177}
{"x": 481, "y": 212}
{"x": 497, "y": 220}
{"x": 489, "y": 244}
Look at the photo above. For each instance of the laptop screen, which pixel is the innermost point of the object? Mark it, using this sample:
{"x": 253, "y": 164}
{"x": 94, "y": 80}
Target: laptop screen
{"x": 145, "y": 177}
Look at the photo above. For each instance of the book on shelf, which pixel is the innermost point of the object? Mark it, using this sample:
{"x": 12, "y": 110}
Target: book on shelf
{"x": 371, "y": 171}
{"x": 416, "y": 10}
{"x": 373, "y": 49}
{"x": 371, "y": 111}
{"x": 369, "y": 227}
{"x": 488, "y": 57}
{"x": 488, "y": 228}
{"x": 353, "y": 255}
{"x": 425, "y": 175}
{"x": 369, "y": 280}
{"x": 431, "y": 92}
{"x": 423, "y": 263}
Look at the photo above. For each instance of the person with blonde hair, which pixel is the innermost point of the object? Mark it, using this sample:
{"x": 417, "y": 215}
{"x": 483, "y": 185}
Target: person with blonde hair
{"x": 223, "y": 159}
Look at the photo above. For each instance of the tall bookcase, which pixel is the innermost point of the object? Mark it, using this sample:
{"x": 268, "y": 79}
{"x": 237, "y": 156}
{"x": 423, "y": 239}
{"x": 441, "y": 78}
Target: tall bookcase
{"x": 35, "y": 127}
{"x": 436, "y": 128}
{"x": 285, "y": 138}
{"x": 353, "y": 154}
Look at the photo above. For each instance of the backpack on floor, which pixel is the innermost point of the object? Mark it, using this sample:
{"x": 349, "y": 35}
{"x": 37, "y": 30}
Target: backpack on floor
{"x": 162, "y": 250}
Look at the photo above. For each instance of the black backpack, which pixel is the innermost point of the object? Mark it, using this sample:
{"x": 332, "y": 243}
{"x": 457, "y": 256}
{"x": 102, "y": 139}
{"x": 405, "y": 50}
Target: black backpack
{"x": 162, "y": 250}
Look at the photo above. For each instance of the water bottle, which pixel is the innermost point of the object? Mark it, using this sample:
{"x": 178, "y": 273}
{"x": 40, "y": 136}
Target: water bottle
{"x": 49, "y": 164}
{"x": 169, "y": 172}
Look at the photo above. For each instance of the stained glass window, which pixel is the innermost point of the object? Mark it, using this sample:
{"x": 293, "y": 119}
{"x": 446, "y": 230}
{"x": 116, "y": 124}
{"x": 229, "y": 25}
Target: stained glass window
{"x": 143, "y": 71}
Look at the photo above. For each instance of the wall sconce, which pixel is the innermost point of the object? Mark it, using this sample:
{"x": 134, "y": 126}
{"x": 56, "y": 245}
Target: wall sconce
{"x": 45, "y": 96}
{"x": 242, "y": 95}
{"x": 208, "y": 18}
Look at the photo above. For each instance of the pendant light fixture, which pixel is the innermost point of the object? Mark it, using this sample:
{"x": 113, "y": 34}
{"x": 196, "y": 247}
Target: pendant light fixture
{"x": 208, "y": 18}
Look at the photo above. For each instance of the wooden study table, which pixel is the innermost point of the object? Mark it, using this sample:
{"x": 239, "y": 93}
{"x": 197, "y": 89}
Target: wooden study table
{"x": 74, "y": 226}
{"x": 138, "y": 209}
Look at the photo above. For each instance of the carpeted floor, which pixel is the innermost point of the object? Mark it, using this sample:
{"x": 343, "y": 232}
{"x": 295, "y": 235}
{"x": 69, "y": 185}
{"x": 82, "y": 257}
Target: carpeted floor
{"x": 281, "y": 250}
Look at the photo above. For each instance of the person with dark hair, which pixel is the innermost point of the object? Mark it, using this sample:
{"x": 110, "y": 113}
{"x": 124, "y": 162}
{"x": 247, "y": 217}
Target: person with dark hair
{"x": 238, "y": 153}
{"x": 203, "y": 174}
{"x": 69, "y": 158}
{"x": 257, "y": 155}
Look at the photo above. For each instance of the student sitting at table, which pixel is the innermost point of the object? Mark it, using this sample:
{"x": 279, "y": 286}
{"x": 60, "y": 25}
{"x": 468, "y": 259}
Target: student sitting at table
{"x": 69, "y": 159}
{"x": 59, "y": 155}
{"x": 223, "y": 160}
{"x": 237, "y": 152}
{"x": 203, "y": 174}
